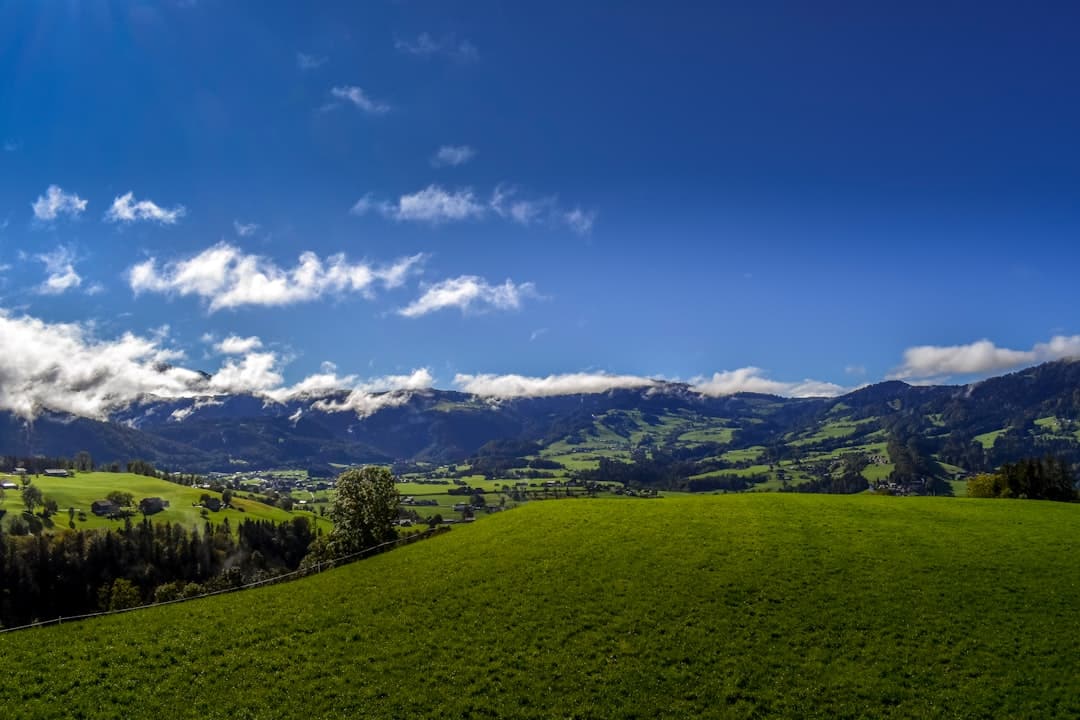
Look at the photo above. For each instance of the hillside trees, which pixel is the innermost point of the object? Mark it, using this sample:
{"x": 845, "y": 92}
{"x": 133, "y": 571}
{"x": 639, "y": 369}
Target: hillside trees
{"x": 365, "y": 509}
{"x": 1033, "y": 478}
{"x": 32, "y": 497}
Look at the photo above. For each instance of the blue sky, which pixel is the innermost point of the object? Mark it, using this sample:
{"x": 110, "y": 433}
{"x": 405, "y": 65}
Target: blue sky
{"x": 836, "y": 191}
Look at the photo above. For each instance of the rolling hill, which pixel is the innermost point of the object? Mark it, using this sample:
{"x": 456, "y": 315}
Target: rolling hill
{"x": 736, "y": 606}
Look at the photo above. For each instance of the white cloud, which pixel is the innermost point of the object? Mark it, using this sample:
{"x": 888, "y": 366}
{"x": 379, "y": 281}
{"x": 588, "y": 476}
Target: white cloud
{"x": 56, "y": 202}
{"x": 435, "y": 205}
{"x": 60, "y": 269}
{"x": 432, "y": 205}
{"x": 236, "y": 345}
{"x": 245, "y": 229}
{"x": 63, "y": 367}
{"x": 452, "y": 156}
{"x": 226, "y": 277}
{"x": 469, "y": 292}
{"x": 511, "y": 386}
{"x": 537, "y": 334}
{"x": 126, "y": 209}
{"x": 376, "y": 394}
{"x": 12, "y": 145}
{"x": 753, "y": 380}
{"x": 360, "y": 99}
{"x": 305, "y": 61}
{"x": 979, "y": 358}
{"x": 426, "y": 46}
{"x": 255, "y": 372}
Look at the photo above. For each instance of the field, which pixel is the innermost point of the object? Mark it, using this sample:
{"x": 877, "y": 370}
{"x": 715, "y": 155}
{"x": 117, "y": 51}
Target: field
{"x": 80, "y": 491}
{"x": 734, "y": 606}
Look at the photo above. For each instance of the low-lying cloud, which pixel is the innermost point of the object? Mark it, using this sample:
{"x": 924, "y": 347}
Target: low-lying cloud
{"x": 515, "y": 386}
{"x": 225, "y": 277}
{"x": 979, "y": 358}
{"x": 754, "y": 380}
{"x": 71, "y": 370}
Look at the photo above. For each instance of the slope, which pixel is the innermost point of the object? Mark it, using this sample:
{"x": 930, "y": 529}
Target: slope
{"x": 733, "y": 606}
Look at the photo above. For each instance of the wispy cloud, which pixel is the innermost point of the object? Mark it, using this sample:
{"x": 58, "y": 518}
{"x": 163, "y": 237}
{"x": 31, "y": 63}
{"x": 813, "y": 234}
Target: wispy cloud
{"x": 979, "y": 358}
{"x": 55, "y": 202}
{"x": 537, "y": 334}
{"x": 425, "y": 45}
{"x": 433, "y": 205}
{"x": 225, "y": 277}
{"x": 12, "y": 145}
{"x": 469, "y": 293}
{"x": 436, "y": 205}
{"x": 245, "y": 229}
{"x": 125, "y": 209}
{"x": 754, "y": 380}
{"x": 507, "y": 202}
{"x": 304, "y": 61}
{"x": 452, "y": 156}
{"x": 60, "y": 270}
{"x": 358, "y": 98}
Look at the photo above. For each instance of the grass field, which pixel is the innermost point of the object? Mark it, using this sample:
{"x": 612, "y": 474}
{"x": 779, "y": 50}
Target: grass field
{"x": 739, "y": 606}
{"x": 84, "y": 488}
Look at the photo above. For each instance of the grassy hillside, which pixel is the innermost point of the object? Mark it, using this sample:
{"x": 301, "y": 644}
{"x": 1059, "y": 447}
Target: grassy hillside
{"x": 733, "y": 606}
{"x": 84, "y": 488}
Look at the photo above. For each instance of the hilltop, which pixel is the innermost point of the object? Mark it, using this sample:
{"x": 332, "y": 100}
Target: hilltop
{"x": 736, "y": 606}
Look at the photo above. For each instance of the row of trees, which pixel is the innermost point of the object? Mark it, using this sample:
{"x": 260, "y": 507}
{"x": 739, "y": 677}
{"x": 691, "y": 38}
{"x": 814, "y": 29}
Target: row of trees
{"x": 1035, "y": 479}
{"x": 78, "y": 571}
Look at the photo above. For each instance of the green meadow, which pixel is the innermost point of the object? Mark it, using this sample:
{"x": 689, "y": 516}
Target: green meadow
{"x": 83, "y": 489}
{"x": 736, "y": 606}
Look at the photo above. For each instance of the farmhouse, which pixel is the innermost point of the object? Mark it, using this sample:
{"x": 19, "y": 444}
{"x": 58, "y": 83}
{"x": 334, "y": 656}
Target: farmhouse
{"x": 57, "y": 472}
{"x": 8, "y": 486}
{"x": 151, "y": 505}
{"x": 104, "y": 507}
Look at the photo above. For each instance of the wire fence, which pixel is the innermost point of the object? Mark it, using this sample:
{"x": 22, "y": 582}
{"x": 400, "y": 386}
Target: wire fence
{"x": 318, "y": 567}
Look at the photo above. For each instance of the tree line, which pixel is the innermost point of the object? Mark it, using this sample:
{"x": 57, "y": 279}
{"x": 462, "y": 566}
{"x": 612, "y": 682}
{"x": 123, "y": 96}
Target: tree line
{"x": 74, "y": 572}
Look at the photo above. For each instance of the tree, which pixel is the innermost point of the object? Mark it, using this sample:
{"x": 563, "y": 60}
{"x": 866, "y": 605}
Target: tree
{"x": 365, "y": 509}
{"x": 83, "y": 461}
{"x": 32, "y": 497}
{"x": 121, "y": 498}
{"x": 51, "y": 508}
{"x": 226, "y": 497}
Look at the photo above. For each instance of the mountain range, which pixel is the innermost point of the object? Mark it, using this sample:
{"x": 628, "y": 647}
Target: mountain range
{"x": 963, "y": 427}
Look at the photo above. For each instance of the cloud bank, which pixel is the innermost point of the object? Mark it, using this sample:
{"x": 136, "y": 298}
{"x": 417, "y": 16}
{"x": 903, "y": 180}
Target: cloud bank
{"x": 515, "y": 386}
{"x": 978, "y": 358}
{"x": 754, "y": 380}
